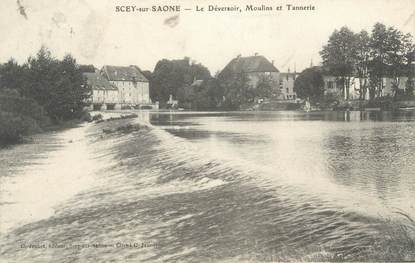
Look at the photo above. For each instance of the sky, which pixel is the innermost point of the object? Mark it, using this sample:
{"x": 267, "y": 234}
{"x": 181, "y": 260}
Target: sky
{"x": 95, "y": 34}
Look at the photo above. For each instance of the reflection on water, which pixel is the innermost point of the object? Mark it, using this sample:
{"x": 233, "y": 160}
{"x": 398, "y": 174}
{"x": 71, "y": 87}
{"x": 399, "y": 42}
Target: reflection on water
{"x": 255, "y": 186}
{"x": 370, "y": 151}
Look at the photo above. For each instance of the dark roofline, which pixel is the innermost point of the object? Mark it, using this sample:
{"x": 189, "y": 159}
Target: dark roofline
{"x": 230, "y": 67}
{"x": 105, "y": 70}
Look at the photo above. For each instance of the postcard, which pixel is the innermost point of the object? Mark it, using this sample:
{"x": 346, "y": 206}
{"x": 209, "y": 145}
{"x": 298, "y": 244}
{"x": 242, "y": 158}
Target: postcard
{"x": 207, "y": 131}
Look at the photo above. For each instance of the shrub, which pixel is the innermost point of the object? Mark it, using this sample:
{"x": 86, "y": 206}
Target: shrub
{"x": 97, "y": 117}
{"x": 85, "y": 116}
{"x": 14, "y": 127}
{"x": 11, "y": 101}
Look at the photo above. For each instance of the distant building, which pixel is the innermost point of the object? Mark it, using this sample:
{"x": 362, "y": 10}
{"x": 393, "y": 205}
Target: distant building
{"x": 133, "y": 87}
{"x": 286, "y": 85}
{"x": 104, "y": 95}
{"x": 115, "y": 87}
{"x": 334, "y": 87}
{"x": 388, "y": 83}
{"x": 255, "y": 68}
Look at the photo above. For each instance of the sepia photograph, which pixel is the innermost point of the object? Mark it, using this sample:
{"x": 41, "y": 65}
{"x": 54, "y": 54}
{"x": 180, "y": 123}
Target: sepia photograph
{"x": 207, "y": 131}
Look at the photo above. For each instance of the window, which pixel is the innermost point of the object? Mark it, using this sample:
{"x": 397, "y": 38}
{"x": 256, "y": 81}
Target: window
{"x": 288, "y": 90}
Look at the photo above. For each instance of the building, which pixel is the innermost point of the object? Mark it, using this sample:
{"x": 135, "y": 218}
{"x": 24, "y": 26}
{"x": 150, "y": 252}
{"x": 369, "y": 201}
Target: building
{"x": 132, "y": 85}
{"x": 388, "y": 85}
{"x": 286, "y": 85}
{"x": 104, "y": 95}
{"x": 115, "y": 87}
{"x": 333, "y": 87}
{"x": 255, "y": 68}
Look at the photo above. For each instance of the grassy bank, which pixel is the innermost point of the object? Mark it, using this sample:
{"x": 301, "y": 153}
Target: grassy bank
{"x": 21, "y": 117}
{"x": 17, "y": 129}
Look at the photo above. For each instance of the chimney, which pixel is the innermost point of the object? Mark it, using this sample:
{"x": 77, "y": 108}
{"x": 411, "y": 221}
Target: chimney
{"x": 256, "y": 54}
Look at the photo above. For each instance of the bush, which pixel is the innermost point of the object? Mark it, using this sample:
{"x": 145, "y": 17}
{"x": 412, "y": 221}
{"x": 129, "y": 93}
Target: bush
{"x": 14, "y": 127}
{"x": 97, "y": 117}
{"x": 11, "y": 101}
{"x": 19, "y": 116}
{"x": 85, "y": 116}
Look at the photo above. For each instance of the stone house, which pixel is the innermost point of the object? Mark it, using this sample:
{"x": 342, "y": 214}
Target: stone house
{"x": 132, "y": 85}
{"x": 255, "y": 68}
{"x": 104, "y": 95}
{"x": 286, "y": 85}
{"x": 333, "y": 87}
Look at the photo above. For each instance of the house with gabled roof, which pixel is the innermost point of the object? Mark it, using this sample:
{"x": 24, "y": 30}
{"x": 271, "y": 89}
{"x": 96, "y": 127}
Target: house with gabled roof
{"x": 252, "y": 66}
{"x": 132, "y": 85}
{"x": 104, "y": 95}
{"x": 256, "y": 68}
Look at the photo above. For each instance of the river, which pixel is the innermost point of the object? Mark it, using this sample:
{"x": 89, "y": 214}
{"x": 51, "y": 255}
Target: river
{"x": 214, "y": 187}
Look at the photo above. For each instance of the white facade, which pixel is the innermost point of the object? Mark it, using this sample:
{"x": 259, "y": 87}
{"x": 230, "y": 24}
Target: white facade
{"x": 331, "y": 86}
{"x": 286, "y": 86}
{"x": 132, "y": 85}
{"x": 132, "y": 92}
{"x": 104, "y": 96}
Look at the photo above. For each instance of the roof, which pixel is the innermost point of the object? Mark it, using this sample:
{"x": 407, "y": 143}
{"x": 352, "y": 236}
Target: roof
{"x": 250, "y": 64}
{"x": 197, "y": 83}
{"x": 98, "y": 82}
{"x": 130, "y": 73}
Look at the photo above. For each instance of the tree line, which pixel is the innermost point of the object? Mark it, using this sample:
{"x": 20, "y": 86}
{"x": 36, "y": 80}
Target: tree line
{"x": 42, "y": 91}
{"x": 195, "y": 88}
{"x": 385, "y": 52}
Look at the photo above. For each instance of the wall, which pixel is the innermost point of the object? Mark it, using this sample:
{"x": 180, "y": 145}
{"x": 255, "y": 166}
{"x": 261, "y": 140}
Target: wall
{"x": 286, "y": 86}
{"x": 388, "y": 85}
{"x": 132, "y": 93}
{"x": 104, "y": 96}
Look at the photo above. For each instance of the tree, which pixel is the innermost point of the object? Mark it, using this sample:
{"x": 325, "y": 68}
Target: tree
{"x": 362, "y": 62}
{"x": 397, "y": 56}
{"x": 19, "y": 116}
{"x": 87, "y": 68}
{"x": 378, "y": 51}
{"x": 410, "y": 83}
{"x": 171, "y": 75}
{"x": 371, "y": 58}
{"x": 264, "y": 88}
{"x": 237, "y": 91}
{"x": 56, "y": 85}
{"x": 310, "y": 85}
{"x": 390, "y": 50}
{"x": 339, "y": 56}
{"x": 12, "y": 75}
{"x": 72, "y": 93}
